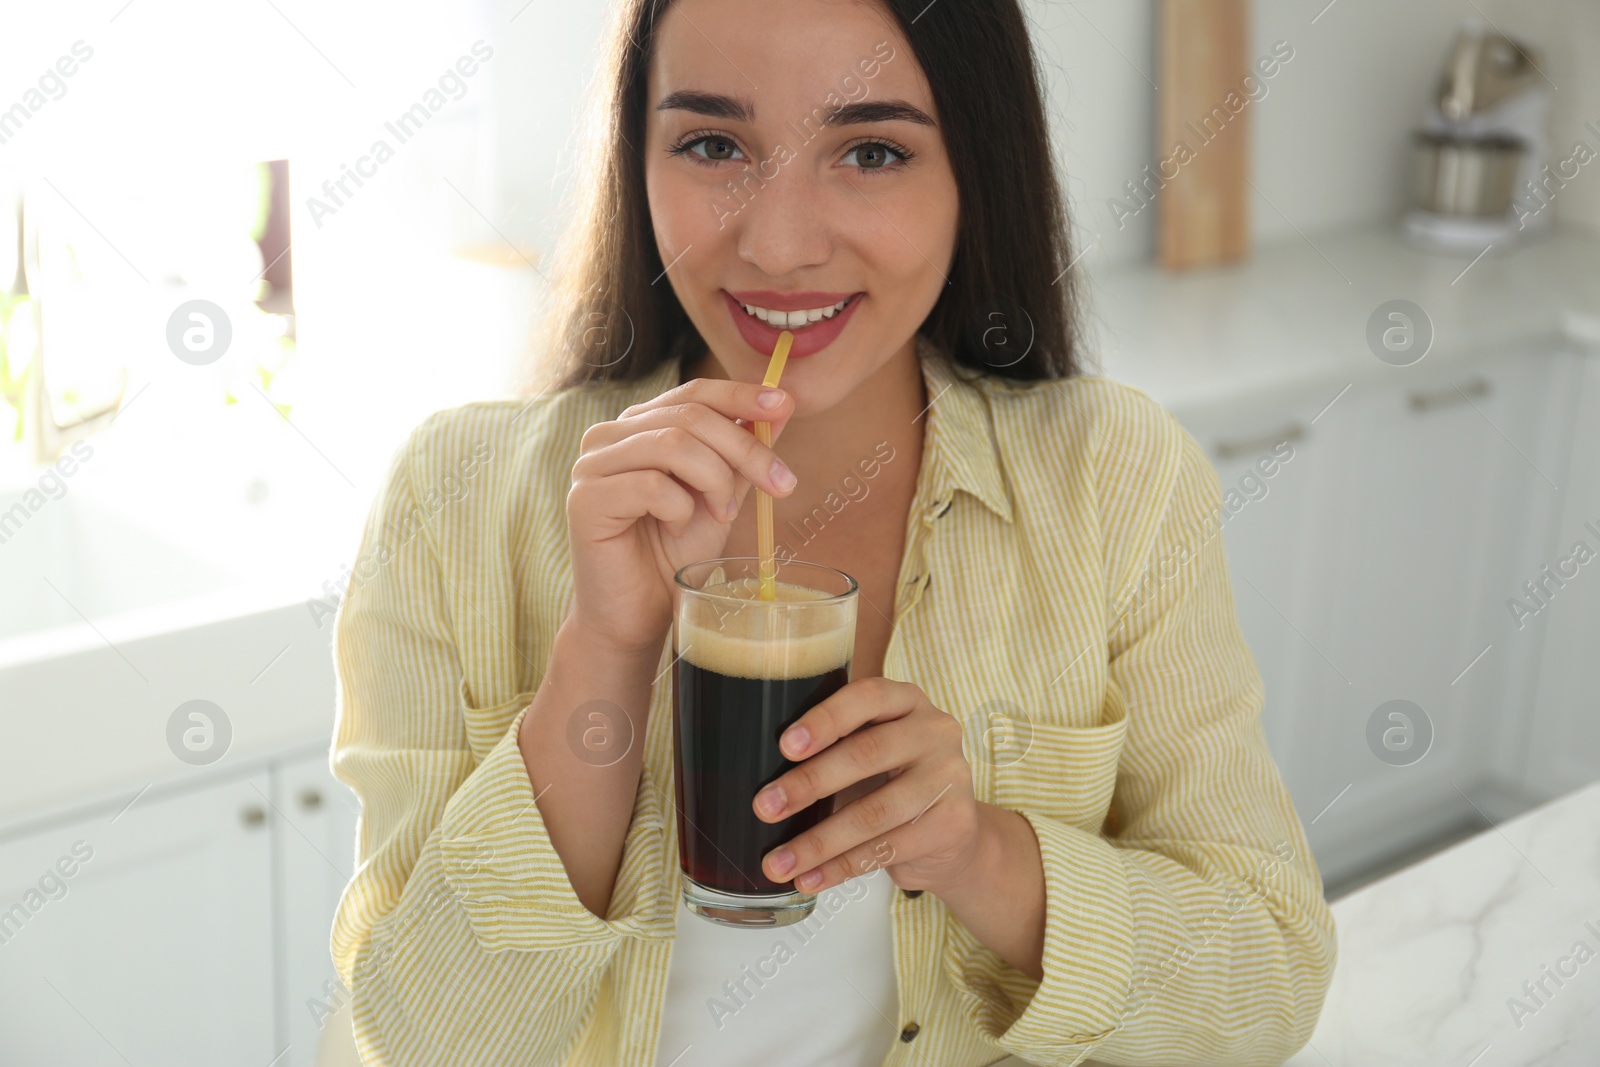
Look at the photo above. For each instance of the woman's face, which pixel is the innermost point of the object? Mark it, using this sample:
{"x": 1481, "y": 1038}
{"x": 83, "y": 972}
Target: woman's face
{"x": 793, "y": 161}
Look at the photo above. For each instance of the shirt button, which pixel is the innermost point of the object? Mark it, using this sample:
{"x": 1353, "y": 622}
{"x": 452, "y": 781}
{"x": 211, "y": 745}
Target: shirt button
{"x": 910, "y": 1032}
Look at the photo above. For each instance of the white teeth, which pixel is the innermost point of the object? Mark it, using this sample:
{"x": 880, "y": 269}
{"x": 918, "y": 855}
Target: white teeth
{"x": 791, "y": 320}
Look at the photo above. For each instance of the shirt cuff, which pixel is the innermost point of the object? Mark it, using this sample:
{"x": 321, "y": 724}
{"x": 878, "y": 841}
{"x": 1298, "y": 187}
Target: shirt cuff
{"x": 1087, "y": 959}
{"x": 498, "y": 859}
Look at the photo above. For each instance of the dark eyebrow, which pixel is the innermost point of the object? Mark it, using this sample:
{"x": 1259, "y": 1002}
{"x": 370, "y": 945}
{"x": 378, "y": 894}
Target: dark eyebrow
{"x": 718, "y": 106}
{"x": 714, "y": 105}
{"x": 879, "y": 111}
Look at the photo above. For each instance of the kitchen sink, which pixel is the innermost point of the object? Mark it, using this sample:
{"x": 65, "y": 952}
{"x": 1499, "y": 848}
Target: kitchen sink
{"x": 68, "y": 561}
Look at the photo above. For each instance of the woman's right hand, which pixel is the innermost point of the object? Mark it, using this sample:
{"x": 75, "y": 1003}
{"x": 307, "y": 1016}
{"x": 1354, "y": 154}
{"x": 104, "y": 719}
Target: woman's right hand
{"x": 658, "y": 488}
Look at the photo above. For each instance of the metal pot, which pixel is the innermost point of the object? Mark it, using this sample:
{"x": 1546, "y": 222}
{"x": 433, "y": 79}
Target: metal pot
{"x": 1464, "y": 175}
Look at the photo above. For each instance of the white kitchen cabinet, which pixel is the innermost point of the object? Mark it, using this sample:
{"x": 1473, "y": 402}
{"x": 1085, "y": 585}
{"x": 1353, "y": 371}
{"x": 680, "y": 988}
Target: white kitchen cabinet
{"x": 156, "y": 947}
{"x": 314, "y": 843}
{"x": 1374, "y": 567}
{"x": 193, "y": 927}
{"x": 1563, "y": 752}
{"x": 1447, "y": 486}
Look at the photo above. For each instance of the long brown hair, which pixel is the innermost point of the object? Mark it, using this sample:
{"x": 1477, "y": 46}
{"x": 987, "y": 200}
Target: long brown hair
{"x": 1011, "y": 287}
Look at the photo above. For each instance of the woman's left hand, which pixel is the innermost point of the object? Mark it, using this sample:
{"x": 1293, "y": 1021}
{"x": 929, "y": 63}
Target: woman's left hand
{"x": 923, "y": 823}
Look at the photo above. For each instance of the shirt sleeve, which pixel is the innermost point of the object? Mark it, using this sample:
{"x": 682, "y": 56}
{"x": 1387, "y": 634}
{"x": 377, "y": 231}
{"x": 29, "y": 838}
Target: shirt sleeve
{"x": 460, "y": 936}
{"x": 1198, "y": 933}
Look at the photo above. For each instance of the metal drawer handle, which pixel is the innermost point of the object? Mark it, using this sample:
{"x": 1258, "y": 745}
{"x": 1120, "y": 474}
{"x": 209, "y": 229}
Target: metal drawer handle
{"x": 1230, "y": 449}
{"x": 253, "y": 816}
{"x": 1443, "y": 398}
{"x": 311, "y": 799}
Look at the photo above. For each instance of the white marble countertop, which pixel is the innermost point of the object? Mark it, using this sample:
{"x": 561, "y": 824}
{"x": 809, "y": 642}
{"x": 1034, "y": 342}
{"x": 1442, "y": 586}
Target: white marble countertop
{"x": 1433, "y": 959}
{"x": 1294, "y": 315}
{"x": 1486, "y": 954}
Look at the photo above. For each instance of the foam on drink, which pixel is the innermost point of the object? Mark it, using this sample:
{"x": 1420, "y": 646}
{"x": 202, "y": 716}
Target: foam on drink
{"x": 745, "y": 637}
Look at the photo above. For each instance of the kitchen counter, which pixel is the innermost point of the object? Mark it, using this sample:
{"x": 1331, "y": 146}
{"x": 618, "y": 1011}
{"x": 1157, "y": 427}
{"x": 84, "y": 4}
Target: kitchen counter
{"x": 1486, "y": 954}
{"x": 1294, "y": 316}
{"x": 1433, "y": 958}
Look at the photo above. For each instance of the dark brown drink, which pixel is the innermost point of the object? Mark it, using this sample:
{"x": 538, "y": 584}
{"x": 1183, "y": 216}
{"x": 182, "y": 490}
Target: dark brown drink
{"x": 728, "y": 730}
{"x": 746, "y": 669}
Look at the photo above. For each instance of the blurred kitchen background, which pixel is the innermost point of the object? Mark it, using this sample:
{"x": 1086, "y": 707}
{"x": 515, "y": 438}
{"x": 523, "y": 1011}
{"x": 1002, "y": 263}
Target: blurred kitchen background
{"x": 208, "y": 354}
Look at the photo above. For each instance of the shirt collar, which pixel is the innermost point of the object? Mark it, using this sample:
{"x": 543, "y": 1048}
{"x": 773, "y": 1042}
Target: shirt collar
{"x": 959, "y": 438}
{"x": 959, "y": 433}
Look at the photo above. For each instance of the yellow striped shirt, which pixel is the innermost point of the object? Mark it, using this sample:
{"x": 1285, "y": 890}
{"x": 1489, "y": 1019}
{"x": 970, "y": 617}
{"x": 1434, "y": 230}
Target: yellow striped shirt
{"x": 1064, "y": 592}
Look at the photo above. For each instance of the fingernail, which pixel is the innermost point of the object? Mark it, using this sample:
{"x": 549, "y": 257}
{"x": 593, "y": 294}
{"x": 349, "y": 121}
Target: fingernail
{"x": 782, "y": 477}
{"x": 809, "y": 880}
{"x": 771, "y": 799}
{"x": 782, "y": 861}
{"x": 796, "y": 739}
{"x": 770, "y": 398}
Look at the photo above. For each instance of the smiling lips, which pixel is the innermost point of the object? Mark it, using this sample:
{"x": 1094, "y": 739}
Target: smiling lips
{"x": 792, "y": 320}
{"x": 815, "y": 318}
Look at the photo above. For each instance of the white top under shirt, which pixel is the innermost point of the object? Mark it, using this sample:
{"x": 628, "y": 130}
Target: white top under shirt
{"x": 795, "y": 1008}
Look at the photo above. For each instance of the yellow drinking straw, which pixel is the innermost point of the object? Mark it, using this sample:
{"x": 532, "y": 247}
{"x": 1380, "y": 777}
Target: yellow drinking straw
{"x": 769, "y": 570}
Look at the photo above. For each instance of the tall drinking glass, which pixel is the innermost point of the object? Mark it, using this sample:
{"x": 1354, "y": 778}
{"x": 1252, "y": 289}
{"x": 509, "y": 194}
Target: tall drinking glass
{"x": 744, "y": 669}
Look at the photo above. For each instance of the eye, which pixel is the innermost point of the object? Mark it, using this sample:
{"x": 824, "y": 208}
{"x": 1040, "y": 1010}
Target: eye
{"x": 706, "y": 148}
{"x": 715, "y": 148}
{"x": 878, "y": 156}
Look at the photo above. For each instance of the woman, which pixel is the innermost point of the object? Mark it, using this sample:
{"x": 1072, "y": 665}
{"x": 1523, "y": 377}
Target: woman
{"x": 1057, "y": 830}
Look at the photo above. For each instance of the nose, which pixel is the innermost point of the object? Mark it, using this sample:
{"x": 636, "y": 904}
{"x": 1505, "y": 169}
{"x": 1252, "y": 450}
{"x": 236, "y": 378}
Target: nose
{"x": 784, "y": 226}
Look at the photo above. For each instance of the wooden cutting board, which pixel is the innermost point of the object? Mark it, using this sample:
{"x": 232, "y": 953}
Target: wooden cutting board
{"x": 1202, "y": 104}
